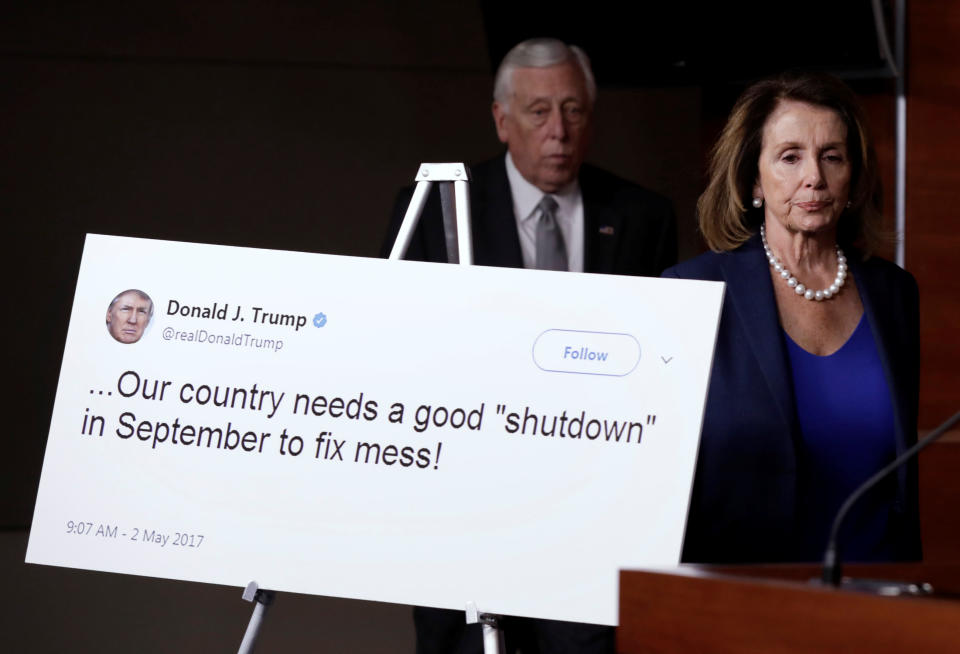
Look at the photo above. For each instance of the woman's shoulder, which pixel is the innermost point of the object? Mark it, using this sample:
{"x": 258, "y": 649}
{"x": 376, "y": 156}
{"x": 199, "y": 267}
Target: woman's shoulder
{"x": 705, "y": 266}
{"x": 884, "y": 272}
{"x": 710, "y": 265}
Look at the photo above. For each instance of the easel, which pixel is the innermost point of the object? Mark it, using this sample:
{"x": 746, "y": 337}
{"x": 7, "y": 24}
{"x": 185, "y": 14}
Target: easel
{"x": 261, "y": 599}
{"x": 455, "y": 202}
{"x": 453, "y": 179}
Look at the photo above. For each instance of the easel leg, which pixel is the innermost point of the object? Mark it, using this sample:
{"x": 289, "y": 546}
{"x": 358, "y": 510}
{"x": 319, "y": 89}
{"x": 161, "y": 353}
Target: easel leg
{"x": 492, "y": 633}
{"x": 261, "y": 600}
{"x": 455, "y": 200}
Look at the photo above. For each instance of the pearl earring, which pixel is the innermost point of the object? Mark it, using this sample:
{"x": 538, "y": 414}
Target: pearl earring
{"x": 849, "y": 204}
{"x": 757, "y": 203}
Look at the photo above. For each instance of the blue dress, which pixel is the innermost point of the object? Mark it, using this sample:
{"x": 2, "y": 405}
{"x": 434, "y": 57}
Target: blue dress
{"x": 847, "y": 430}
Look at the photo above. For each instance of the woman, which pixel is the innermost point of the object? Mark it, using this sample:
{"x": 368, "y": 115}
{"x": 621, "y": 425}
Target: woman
{"x": 814, "y": 382}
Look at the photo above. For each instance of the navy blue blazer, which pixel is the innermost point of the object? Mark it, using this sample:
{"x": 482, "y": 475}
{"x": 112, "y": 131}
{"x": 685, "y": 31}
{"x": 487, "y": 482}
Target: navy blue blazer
{"x": 744, "y": 502}
{"x": 628, "y": 230}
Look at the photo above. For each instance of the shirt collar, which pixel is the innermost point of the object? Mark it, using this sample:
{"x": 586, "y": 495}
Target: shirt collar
{"x": 526, "y": 196}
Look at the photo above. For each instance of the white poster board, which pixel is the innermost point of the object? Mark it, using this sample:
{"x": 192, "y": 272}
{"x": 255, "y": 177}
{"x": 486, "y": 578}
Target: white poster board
{"x": 374, "y": 429}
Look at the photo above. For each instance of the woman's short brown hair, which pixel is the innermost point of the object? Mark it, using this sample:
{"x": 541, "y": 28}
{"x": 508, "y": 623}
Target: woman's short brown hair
{"x": 727, "y": 218}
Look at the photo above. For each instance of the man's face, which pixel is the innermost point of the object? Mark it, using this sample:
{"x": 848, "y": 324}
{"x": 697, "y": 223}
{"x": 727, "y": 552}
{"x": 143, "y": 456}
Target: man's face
{"x": 128, "y": 317}
{"x": 547, "y": 124}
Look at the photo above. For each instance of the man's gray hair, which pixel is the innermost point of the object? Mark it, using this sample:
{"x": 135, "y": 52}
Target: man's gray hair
{"x": 539, "y": 53}
{"x": 138, "y": 292}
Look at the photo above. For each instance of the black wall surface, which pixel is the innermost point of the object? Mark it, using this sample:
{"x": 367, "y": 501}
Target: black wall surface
{"x": 291, "y": 125}
{"x": 287, "y": 125}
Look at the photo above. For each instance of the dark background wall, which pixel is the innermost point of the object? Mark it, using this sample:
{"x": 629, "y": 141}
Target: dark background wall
{"x": 283, "y": 125}
{"x": 291, "y": 125}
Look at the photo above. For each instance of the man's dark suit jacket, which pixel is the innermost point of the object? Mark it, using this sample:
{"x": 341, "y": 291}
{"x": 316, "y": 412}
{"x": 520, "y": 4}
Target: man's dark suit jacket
{"x": 628, "y": 230}
{"x": 744, "y": 502}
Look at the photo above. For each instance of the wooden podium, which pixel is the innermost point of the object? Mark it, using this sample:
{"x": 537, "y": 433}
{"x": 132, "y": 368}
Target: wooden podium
{"x": 774, "y": 608}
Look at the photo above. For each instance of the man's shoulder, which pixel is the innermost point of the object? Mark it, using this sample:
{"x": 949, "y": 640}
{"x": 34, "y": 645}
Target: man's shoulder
{"x": 495, "y": 166}
{"x": 486, "y": 177}
{"x": 591, "y": 174}
{"x": 597, "y": 183}
{"x": 483, "y": 171}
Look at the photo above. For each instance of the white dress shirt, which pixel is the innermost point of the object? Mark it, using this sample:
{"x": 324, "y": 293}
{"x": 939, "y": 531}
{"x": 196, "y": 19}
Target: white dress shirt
{"x": 526, "y": 197}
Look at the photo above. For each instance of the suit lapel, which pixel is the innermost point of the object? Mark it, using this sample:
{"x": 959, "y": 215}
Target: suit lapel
{"x": 751, "y": 295}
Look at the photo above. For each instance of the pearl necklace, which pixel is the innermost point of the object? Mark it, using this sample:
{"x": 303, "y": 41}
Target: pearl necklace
{"x": 795, "y": 284}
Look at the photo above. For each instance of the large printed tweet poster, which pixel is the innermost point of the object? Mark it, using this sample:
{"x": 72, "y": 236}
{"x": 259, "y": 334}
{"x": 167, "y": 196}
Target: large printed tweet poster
{"x": 406, "y": 432}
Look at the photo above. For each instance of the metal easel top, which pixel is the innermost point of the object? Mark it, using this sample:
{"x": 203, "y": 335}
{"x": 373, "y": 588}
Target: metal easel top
{"x": 454, "y": 180}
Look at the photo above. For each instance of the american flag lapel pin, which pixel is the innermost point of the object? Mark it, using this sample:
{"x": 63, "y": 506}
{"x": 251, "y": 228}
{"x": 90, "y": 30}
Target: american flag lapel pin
{"x": 607, "y": 230}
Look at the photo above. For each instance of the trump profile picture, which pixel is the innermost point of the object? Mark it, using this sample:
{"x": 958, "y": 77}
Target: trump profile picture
{"x": 128, "y": 315}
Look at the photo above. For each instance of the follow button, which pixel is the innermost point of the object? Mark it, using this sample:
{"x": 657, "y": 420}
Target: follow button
{"x": 586, "y": 353}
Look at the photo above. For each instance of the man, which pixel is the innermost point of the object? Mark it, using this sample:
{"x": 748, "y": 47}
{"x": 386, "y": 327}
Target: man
{"x": 593, "y": 221}
{"x": 590, "y": 221}
{"x": 128, "y": 315}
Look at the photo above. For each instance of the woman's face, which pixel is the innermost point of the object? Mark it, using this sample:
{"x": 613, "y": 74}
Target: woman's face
{"x": 804, "y": 168}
